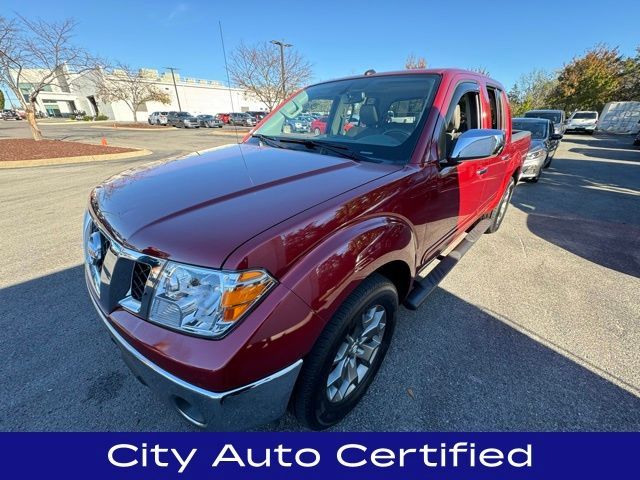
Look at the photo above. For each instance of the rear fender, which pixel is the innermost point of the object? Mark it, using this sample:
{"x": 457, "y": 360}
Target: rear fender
{"x": 330, "y": 272}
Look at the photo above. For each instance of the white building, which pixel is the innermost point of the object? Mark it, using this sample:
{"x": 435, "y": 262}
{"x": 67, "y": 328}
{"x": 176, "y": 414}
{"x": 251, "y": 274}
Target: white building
{"x": 73, "y": 92}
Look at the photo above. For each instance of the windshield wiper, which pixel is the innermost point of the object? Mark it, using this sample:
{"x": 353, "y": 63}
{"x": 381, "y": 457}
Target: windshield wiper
{"x": 271, "y": 141}
{"x": 338, "y": 149}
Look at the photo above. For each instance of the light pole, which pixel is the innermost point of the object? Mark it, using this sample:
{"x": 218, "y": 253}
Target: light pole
{"x": 282, "y": 46}
{"x": 174, "y": 85}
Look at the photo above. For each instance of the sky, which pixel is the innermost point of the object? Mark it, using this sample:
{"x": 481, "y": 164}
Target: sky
{"x": 346, "y": 37}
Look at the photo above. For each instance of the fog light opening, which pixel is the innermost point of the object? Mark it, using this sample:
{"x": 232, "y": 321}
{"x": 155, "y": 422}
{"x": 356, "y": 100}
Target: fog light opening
{"x": 189, "y": 411}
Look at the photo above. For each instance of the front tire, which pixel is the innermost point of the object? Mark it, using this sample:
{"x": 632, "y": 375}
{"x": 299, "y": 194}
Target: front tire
{"x": 346, "y": 357}
{"x": 498, "y": 213}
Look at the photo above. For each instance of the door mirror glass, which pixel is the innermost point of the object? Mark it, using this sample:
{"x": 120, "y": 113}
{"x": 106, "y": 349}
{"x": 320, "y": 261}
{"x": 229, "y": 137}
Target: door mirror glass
{"x": 556, "y": 136}
{"x": 479, "y": 143}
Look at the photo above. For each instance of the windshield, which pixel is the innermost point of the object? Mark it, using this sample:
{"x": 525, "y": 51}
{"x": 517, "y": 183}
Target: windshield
{"x": 585, "y": 115}
{"x": 538, "y": 129}
{"x": 377, "y": 117}
{"x": 184, "y": 114}
{"x": 555, "y": 117}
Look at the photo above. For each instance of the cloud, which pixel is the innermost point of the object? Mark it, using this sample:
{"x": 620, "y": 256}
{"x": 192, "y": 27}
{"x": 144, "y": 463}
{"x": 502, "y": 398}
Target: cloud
{"x": 179, "y": 9}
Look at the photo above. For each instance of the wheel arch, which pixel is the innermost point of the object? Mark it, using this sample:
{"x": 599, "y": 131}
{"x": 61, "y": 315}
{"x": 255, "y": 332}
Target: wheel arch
{"x": 328, "y": 274}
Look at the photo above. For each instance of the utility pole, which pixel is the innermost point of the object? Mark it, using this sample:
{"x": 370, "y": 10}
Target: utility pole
{"x": 174, "y": 85}
{"x": 282, "y": 46}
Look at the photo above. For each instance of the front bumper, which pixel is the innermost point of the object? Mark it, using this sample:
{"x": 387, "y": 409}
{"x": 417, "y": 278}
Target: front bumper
{"x": 255, "y": 404}
{"x": 581, "y": 128}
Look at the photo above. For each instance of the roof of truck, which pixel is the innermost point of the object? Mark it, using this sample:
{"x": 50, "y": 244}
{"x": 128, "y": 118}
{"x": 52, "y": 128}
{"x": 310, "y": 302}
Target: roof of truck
{"x": 444, "y": 72}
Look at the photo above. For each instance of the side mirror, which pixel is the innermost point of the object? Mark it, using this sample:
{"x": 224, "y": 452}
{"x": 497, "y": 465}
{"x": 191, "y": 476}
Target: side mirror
{"x": 555, "y": 136}
{"x": 478, "y": 144}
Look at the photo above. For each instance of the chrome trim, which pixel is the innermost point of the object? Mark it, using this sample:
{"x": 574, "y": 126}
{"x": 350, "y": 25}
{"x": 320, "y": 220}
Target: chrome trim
{"x": 478, "y": 143}
{"x": 254, "y": 404}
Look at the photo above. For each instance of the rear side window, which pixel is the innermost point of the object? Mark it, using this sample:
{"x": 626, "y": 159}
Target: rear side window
{"x": 495, "y": 107}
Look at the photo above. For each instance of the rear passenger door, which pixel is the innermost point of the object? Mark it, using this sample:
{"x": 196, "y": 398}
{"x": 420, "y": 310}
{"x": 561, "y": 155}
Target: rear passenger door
{"x": 496, "y": 166}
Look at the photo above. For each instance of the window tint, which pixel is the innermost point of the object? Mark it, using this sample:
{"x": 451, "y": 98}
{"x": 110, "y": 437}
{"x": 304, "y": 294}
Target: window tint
{"x": 495, "y": 106}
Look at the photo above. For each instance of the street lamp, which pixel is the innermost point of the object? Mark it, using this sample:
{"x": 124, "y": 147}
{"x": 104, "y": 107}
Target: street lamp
{"x": 174, "y": 85}
{"x": 282, "y": 46}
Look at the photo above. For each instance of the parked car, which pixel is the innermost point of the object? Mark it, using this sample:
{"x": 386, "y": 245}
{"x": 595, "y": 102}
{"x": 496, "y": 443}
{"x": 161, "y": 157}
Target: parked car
{"x": 583, "y": 121}
{"x": 11, "y": 115}
{"x": 242, "y": 119}
{"x": 556, "y": 116}
{"x": 258, "y": 115}
{"x": 209, "y": 121}
{"x": 182, "y": 119}
{"x": 158, "y": 118}
{"x": 319, "y": 125}
{"x": 636, "y": 141}
{"x": 544, "y": 143}
{"x": 299, "y": 124}
{"x": 224, "y": 117}
{"x": 253, "y": 277}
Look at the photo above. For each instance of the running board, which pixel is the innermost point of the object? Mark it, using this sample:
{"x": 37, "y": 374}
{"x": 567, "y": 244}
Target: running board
{"x": 424, "y": 286}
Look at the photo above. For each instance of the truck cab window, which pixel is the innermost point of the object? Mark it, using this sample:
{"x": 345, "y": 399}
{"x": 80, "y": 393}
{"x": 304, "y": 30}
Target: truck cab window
{"x": 495, "y": 105}
{"x": 465, "y": 115}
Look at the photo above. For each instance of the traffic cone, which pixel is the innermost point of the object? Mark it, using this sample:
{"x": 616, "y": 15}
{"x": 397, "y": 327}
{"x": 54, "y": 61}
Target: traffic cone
{"x": 104, "y": 142}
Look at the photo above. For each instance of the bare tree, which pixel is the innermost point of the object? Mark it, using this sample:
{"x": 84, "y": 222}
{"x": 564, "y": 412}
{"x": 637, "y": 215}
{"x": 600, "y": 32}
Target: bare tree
{"x": 415, "y": 63}
{"x": 34, "y": 55}
{"x": 134, "y": 87}
{"x": 481, "y": 70}
{"x": 257, "y": 69}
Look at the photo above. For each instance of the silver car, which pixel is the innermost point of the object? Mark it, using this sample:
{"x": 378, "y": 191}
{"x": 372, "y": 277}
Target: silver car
{"x": 544, "y": 142}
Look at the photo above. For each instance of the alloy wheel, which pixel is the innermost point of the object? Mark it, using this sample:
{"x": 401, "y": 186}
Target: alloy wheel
{"x": 356, "y": 354}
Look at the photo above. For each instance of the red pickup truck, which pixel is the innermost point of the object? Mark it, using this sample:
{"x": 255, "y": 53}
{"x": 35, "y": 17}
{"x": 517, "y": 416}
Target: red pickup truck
{"x": 269, "y": 274}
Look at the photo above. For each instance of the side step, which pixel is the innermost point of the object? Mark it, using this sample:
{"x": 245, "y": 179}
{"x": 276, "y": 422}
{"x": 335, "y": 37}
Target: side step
{"x": 423, "y": 286}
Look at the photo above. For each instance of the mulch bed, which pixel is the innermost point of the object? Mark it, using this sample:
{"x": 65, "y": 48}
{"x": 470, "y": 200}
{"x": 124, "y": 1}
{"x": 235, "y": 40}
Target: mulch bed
{"x": 14, "y": 149}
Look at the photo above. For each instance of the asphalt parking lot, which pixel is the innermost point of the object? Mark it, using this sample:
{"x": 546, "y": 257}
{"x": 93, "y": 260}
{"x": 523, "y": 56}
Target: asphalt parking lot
{"x": 538, "y": 328}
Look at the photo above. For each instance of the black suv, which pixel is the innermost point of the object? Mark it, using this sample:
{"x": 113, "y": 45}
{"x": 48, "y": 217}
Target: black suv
{"x": 182, "y": 119}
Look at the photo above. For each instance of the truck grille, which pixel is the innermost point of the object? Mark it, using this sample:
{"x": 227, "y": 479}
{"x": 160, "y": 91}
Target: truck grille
{"x": 117, "y": 275}
{"x": 139, "y": 279}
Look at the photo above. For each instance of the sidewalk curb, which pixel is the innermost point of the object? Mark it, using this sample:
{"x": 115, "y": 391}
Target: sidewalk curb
{"x": 40, "y": 162}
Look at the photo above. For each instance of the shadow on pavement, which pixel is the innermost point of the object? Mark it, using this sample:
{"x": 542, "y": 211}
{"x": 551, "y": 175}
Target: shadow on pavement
{"x": 465, "y": 370}
{"x": 621, "y": 142}
{"x": 590, "y": 208}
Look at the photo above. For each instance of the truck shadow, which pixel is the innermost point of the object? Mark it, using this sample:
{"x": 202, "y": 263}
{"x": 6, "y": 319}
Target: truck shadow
{"x": 462, "y": 369}
{"x": 588, "y": 207}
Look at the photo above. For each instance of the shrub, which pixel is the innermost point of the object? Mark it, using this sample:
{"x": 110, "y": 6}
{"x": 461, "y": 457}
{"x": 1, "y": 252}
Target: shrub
{"x": 87, "y": 118}
{"x": 102, "y": 117}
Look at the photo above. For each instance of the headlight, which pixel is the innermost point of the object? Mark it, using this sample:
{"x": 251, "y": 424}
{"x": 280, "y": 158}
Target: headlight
{"x": 203, "y": 301}
{"x": 534, "y": 155}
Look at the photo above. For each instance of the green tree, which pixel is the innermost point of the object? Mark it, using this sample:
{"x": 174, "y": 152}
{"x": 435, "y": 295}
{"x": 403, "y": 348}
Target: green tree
{"x": 1, "y": 100}
{"x": 532, "y": 91}
{"x": 630, "y": 81}
{"x": 590, "y": 81}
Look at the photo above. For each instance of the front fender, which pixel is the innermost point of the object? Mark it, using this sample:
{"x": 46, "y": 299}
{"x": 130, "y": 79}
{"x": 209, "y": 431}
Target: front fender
{"x": 333, "y": 269}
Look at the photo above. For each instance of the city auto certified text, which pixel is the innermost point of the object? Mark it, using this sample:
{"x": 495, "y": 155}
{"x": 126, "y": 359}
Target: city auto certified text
{"x": 351, "y": 455}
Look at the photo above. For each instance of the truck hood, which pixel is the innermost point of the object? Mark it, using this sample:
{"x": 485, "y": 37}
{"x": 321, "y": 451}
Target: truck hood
{"x": 199, "y": 209}
{"x": 582, "y": 121}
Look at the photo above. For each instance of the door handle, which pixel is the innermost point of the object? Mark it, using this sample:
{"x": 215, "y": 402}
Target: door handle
{"x": 482, "y": 171}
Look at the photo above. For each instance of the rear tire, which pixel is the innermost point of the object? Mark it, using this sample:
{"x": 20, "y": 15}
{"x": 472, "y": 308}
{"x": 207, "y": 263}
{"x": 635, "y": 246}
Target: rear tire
{"x": 345, "y": 359}
{"x": 498, "y": 213}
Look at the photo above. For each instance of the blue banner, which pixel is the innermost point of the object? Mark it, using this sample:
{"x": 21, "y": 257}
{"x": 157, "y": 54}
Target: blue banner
{"x": 320, "y": 455}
